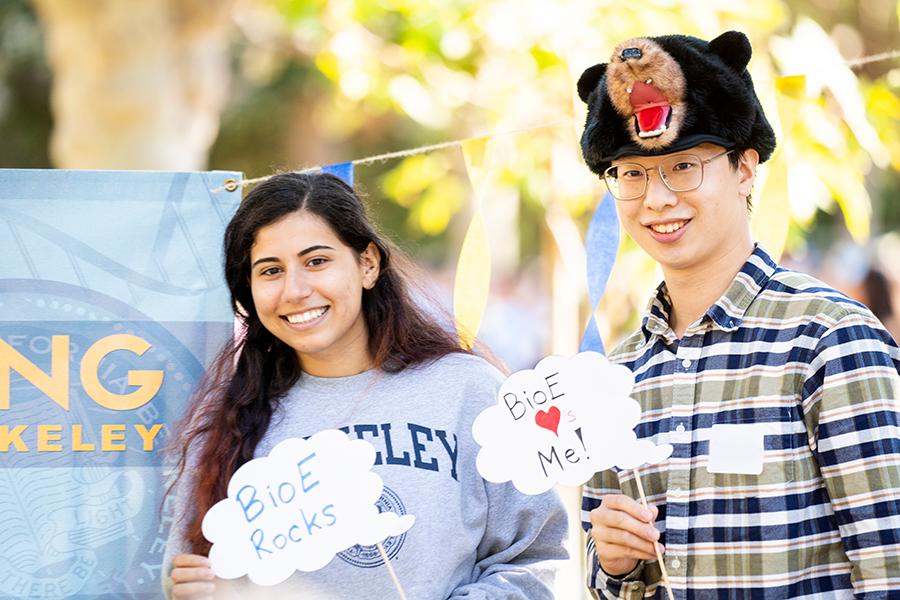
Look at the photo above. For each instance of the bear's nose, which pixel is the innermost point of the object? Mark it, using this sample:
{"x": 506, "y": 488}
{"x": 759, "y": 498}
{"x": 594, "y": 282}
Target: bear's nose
{"x": 631, "y": 53}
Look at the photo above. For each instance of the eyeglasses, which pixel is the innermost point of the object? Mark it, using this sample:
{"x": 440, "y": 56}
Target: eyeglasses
{"x": 680, "y": 173}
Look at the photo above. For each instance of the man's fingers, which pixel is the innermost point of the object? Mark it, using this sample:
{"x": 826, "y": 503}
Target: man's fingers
{"x": 622, "y": 513}
{"x": 620, "y": 502}
{"x": 622, "y": 530}
{"x": 622, "y": 543}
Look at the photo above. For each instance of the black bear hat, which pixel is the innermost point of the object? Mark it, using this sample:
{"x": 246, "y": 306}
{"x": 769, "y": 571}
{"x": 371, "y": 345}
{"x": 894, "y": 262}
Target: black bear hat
{"x": 659, "y": 95}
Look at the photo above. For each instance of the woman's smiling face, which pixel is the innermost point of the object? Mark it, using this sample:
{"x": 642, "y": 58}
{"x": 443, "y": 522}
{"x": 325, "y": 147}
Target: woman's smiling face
{"x": 307, "y": 286}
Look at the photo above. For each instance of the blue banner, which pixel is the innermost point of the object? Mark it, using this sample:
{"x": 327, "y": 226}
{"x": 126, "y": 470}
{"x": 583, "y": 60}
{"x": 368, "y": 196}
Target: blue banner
{"x": 111, "y": 303}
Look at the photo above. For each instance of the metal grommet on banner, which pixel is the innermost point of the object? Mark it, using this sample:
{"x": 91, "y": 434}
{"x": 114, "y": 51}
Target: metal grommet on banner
{"x": 230, "y": 185}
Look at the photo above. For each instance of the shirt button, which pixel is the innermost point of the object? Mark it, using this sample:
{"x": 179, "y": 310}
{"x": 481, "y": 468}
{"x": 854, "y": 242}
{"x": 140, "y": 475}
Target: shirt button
{"x": 677, "y": 492}
{"x": 676, "y": 563}
{"x": 680, "y": 429}
{"x": 686, "y": 363}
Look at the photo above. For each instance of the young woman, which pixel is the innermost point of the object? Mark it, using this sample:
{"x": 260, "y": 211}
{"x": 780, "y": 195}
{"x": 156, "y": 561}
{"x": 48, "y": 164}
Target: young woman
{"x": 334, "y": 341}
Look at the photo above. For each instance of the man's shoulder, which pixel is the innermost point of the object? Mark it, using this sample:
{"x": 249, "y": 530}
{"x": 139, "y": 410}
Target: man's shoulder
{"x": 767, "y": 286}
{"x": 800, "y": 281}
{"x": 804, "y": 294}
{"x": 802, "y": 307}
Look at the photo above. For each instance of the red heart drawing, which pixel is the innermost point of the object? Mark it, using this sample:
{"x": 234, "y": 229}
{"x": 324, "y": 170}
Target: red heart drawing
{"x": 548, "y": 419}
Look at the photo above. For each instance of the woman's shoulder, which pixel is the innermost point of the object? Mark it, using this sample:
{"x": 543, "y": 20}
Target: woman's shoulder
{"x": 461, "y": 367}
{"x": 452, "y": 375}
{"x": 457, "y": 383}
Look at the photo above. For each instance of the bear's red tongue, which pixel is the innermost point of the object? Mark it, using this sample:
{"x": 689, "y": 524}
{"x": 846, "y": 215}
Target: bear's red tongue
{"x": 650, "y": 107}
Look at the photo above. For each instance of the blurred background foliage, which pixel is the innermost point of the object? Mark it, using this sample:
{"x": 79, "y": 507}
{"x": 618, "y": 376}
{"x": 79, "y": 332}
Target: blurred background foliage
{"x": 268, "y": 85}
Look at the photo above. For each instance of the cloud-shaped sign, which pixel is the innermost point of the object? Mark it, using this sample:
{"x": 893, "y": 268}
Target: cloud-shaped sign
{"x": 298, "y": 507}
{"x": 561, "y": 423}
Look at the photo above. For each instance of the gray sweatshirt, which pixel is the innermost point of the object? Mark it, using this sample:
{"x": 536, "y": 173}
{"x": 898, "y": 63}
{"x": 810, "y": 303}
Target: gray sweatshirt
{"x": 471, "y": 538}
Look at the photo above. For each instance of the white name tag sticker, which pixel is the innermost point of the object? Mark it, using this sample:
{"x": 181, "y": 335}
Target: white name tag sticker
{"x": 736, "y": 449}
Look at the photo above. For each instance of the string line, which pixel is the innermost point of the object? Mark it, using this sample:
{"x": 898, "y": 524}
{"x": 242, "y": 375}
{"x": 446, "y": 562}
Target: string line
{"x": 851, "y": 64}
{"x": 232, "y": 185}
{"x": 874, "y": 58}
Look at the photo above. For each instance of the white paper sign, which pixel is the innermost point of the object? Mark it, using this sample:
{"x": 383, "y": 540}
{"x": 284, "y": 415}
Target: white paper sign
{"x": 736, "y": 449}
{"x": 298, "y": 507}
{"x": 561, "y": 423}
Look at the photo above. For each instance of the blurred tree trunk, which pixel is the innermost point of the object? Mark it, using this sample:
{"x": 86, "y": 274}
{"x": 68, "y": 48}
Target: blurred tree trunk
{"x": 137, "y": 84}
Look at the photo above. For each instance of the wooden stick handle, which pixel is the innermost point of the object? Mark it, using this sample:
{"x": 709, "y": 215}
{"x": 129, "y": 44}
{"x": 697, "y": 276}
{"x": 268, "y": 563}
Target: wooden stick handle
{"x": 387, "y": 563}
{"x": 662, "y": 564}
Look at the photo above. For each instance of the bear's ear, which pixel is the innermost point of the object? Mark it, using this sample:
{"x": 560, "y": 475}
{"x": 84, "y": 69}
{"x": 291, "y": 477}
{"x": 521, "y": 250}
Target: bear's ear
{"x": 733, "y": 48}
{"x": 589, "y": 80}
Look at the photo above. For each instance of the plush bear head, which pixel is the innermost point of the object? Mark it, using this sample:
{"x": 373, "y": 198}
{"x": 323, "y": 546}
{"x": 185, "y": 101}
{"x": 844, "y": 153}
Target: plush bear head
{"x": 659, "y": 95}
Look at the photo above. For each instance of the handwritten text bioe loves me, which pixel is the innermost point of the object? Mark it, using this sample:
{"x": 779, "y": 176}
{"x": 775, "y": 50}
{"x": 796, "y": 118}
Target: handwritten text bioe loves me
{"x": 548, "y": 419}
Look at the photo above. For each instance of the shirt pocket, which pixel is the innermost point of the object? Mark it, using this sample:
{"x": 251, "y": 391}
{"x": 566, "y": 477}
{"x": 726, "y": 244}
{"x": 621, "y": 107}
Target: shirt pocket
{"x": 751, "y": 452}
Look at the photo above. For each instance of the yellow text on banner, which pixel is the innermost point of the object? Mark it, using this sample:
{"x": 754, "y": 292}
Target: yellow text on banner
{"x": 772, "y": 215}
{"x": 473, "y": 272}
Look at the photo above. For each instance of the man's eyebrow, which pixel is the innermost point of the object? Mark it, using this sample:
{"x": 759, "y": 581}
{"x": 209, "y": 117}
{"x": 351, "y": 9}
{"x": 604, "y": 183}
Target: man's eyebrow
{"x": 301, "y": 254}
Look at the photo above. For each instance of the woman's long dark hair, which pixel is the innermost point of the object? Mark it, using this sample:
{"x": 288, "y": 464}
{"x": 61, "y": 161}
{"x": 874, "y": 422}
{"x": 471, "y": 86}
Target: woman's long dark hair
{"x": 234, "y": 403}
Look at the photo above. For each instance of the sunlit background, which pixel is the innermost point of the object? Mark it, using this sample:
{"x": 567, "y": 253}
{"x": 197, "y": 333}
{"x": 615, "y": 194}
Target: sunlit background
{"x": 260, "y": 86}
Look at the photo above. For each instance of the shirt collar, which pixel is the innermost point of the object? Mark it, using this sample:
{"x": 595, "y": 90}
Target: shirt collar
{"x": 728, "y": 312}
{"x": 656, "y": 315}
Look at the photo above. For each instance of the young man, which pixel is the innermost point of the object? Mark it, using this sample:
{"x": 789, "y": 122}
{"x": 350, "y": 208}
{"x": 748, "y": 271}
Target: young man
{"x": 778, "y": 394}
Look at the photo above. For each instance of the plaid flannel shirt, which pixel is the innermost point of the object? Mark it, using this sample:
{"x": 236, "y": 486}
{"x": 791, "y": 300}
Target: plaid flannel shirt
{"x": 799, "y": 380}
